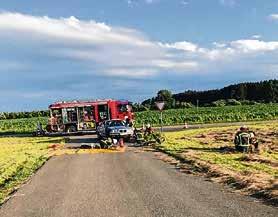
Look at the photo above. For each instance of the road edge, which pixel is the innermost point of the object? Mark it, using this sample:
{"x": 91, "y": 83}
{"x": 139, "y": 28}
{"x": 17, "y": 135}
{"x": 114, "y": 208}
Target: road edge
{"x": 203, "y": 169}
{"x": 24, "y": 182}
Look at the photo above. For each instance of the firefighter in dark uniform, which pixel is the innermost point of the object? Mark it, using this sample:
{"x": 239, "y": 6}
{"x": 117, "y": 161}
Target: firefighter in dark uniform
{"x": 245, "y": 140}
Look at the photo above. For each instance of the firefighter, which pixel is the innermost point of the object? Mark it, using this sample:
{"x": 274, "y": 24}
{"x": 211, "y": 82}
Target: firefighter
{"x": 40, "y": 131}
{"x": 86, "y": 115}
{"x": 53, "y": 123}
{"x": 138, "y": 135}
{"x": 254, "y": 140}
{"x": 128, "y": 122}
{"x": 108, "y": 142}
{"x": 245, "y": 140}
{"x": 148, "y": 130}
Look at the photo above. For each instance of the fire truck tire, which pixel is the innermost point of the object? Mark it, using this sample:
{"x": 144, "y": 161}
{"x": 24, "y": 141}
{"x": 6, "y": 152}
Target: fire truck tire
{"x": 71, "y": 129}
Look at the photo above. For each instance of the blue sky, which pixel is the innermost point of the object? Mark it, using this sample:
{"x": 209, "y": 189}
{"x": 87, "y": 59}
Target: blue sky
{"x": 129, "y": 49}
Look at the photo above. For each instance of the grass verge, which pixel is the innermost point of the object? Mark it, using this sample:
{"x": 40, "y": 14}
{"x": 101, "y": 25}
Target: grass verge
{"x": 211, "y": 152}
{"x": 20, "y": 157}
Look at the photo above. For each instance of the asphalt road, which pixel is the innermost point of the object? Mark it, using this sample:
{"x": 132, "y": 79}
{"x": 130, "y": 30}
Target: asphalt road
{"x": 124, "y": 184}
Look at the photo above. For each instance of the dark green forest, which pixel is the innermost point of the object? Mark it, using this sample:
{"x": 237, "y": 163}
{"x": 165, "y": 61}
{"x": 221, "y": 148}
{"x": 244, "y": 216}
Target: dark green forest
{"x": 239, "y": 94}
{"x": 265, "y": 91}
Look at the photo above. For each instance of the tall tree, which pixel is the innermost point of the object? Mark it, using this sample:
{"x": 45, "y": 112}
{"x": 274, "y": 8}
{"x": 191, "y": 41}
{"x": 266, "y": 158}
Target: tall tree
{"x": 166, "y": 96}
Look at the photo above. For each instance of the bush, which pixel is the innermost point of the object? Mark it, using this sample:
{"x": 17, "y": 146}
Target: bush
{"x": 2, "y": 116}
{"x": 233, "y": 102}
{"x": 186, "y": 105}
{"x": 248, "y": 102}
{"x": 219, "y": 103}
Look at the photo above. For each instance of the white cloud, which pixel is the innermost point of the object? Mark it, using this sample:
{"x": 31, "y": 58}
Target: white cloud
{"x": 66, "y": 57}
{"x": 224, "y": 51}
{"x": 70, "y": 29}
{"x": 83, "y": 40}
{"x": 248, "y": 46}
{"x": 183, "y": 45}
{"x": 217, "y": 54}
{"x": 273, "y": 16}
{"x": 115, "y": 51}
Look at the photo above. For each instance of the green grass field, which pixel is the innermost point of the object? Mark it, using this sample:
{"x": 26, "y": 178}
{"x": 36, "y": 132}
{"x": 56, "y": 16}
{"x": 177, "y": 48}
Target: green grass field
{"x": 170, "y": 117}
{"x": 19, "y": 158}
{"x": 213, "y": 148}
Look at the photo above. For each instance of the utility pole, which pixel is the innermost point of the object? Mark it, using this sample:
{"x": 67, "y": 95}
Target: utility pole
{"x": 161, "y": 121}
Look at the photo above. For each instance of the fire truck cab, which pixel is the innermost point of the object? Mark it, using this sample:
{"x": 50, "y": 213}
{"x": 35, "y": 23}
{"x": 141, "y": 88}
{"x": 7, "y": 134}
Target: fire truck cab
{"x": 76, "y": 116}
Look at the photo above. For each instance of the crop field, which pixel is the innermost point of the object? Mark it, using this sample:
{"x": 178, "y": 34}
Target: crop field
{"x": 170, "y": 117}
{"x": 212, "y": 150}
{"x": 210, "y": 115}
{"x": 19, "y": 158}
{"x": 24, "y": 125}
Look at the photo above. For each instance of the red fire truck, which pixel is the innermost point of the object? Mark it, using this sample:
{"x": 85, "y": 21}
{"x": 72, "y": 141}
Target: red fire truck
{"x": 76, "y": 116}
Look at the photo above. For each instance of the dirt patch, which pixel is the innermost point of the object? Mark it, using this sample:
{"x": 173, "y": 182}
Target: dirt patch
{"x": 268, "y": 139}
{"x": 260, "y": 159}
{"x": 211, "y": 153}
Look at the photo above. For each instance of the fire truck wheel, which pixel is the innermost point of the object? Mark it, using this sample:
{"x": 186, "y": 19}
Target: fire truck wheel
{"x": 71, "y": 129}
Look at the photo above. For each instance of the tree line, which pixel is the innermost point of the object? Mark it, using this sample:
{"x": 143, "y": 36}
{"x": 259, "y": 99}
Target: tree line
{"x": 247, "y": 93}
{"x": 239, "y": 94}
